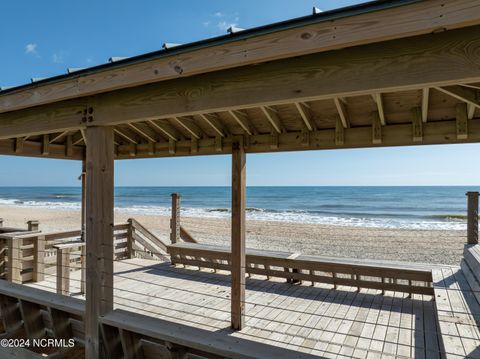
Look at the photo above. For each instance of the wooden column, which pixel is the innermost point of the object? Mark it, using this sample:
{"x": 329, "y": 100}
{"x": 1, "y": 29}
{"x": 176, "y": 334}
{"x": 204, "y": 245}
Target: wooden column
{"x": 238, "y": 234}
{"x": 98, "y": 233}
{"x": 82, "y": 225}
{"x": 175, "y": 220}
{"x": 39, "y": 259}
{"x": 472, "y": 218}
{"x": 14, "y": 271}
{"x": 63, "y": 271}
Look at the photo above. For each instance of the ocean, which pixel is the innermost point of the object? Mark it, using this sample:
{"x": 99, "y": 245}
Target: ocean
{"x": 381, "y": 207}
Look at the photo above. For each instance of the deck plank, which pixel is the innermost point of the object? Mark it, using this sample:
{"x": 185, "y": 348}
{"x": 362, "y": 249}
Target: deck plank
{"x": 319, "y": 320}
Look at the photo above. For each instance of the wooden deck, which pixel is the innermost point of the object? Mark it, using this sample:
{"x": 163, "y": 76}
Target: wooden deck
{"x": 319, "y": 320}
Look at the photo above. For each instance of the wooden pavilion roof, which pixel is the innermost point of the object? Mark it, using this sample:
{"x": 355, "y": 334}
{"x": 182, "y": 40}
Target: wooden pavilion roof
{"x": 386, "y": 73}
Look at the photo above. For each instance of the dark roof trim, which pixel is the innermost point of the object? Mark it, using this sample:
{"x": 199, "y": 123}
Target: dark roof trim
{"x": 329, "y": 15}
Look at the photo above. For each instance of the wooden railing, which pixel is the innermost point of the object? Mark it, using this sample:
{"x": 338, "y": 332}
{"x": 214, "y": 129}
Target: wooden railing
{"x": 295, "y": 266}
{"x": 143, "y": 243}
{"x": 31, "y": 256}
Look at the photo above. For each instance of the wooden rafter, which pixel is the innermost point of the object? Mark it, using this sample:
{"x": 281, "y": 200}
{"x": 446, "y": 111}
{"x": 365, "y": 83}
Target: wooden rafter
{"x": 58, "y": 136}
{"x": 242, "y": 120}
{"x": 425, "y": 100}
{"x": 471, "y": 111}
{"x": 126, "y": 136}
{"x": 77, "y": 138}
{"x": 306, "y": 115}
{"x": 341, "y": 105}
{"x": 376, "y": 128}
{"x": 214, "y": 122}
{"x": 462, "y": 121}
{"x": 84, "y": 137}
{"x": 377, "y": 97}
{"x": 465, "y": 94}
{"x": 142, "y": 132}
{"x": 417, "y": 124}
{"x": 45, "y": 145}
{"x": 188, "y": 127}
{"x": 477, "y": 87}
{"x": 272, "y": 117}
{"x": 19, "y": 141}
{"x": 170, "y": 133}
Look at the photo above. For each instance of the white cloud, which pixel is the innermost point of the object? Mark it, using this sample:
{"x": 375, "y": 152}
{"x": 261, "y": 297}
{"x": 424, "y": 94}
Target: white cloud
{"x": 89, "y": 60}
{"x": 218, "y": 14}
{"x": 31, "y": 49}
{"x": 206, "y": 23}
{"x": 57, "y": 57}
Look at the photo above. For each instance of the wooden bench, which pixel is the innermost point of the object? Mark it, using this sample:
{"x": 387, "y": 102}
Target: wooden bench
{"x": 127, "y": 334}
{"x": 457, "y": 295}
{"x": 379, "y": 275}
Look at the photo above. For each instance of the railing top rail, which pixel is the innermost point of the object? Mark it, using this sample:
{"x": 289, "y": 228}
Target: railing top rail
{"x": 305, "y": 259}
{"x": 73, "y": 244}
{"x": 19, "y": 235}
{"x": 67, "y": 304}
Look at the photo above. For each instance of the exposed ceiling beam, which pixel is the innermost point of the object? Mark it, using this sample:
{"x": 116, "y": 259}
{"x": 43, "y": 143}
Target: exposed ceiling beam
{"x": 477, "y": 87}
{"x": 417, "y": 124}
{"x": 84, "y": 136}
{"x": 142, "y": 132}
{"x": 126, "y": 136}
{"x": 342, "y": 109}
{"x": 306, "y": 115}
{"x": 58, "y": 136}
{"x": 274, "y": 119}
{"x": 377, "y": 97}
{"x": 188, "y": 127}
{"x": 242, "y": 120}
{"x": 465, "y": 94}
{"x": 425, "y": 98}
{"x": 214, "y": 123}
{"x": 77, "y": 138}
{"x": 471, "y": 111}
{"x": 164, "y": 129}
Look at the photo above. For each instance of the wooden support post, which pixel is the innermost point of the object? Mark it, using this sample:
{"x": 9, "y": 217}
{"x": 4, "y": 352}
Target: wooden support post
{"x": 175, "y": 220}
{"x": 39, "y": 259}
{"x": 63, "y": 271}
{"x": 130, "y": 253}
{"x": 472, "y": 218}
{"x": 238, "y": 234}
{"x": 83, "y": 219}
{"x": 98, "y": 234}
{"x": 14, "y": 271}
{"x": 33, "y": 225}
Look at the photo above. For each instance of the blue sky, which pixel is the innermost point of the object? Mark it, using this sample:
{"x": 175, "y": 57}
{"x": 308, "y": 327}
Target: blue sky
{"x": 43, "y": 38}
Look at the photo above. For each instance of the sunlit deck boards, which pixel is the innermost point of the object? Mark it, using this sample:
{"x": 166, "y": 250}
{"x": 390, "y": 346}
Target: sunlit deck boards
{"x": 318, "y": 320}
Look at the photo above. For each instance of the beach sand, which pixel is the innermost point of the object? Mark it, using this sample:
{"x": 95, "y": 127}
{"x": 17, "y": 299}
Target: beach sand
{"x": 428, "y": 246}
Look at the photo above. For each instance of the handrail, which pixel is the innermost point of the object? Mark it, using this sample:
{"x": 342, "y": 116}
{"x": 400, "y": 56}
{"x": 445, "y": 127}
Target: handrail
{"x": 137, "y": 226}
{"x": 186, "y": 236}
{"x": 294, "y": 266}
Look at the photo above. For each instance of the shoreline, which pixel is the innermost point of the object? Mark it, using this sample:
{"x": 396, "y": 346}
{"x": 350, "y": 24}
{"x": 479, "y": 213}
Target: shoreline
{"x": 413, "y": 245}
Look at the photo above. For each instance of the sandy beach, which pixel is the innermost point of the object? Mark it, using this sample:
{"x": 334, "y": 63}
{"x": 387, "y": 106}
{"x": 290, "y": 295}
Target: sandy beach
{"x": 429, "y": 246}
